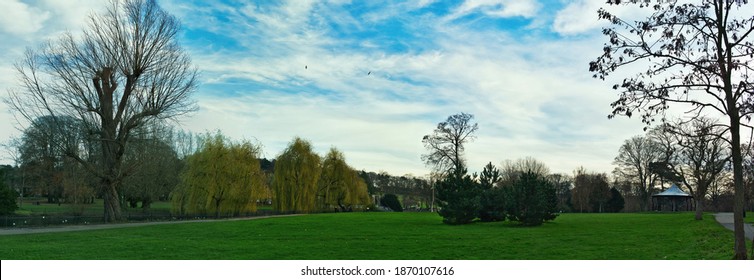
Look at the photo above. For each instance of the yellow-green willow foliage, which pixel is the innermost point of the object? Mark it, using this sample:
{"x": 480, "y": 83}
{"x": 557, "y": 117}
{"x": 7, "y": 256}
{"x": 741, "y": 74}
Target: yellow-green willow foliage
{"x": 294, "y": 183}
{"x": 222, "y": 178}
{"x": 339, "y": 185}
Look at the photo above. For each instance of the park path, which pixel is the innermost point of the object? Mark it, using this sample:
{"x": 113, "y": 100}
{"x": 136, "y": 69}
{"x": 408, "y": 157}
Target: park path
{"x": 31, "y": 230}
{"x": 726, "y": 220}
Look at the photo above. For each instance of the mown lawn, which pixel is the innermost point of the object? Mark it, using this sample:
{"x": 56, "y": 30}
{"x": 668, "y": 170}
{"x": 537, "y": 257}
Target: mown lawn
{"x": 39, "y": 206}
{"x": 390, "y": 236}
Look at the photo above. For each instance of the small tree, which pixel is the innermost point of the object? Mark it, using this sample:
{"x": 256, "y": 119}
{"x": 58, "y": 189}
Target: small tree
{"x": 459, "y": 198}
{"x": 391, "y": 201}
{"x": 492, "y": 197}
{"x": 8, "y": 196}
{"x": 563, "y": 183}
{"x": 531, "y": 200}
{"x": 616, "y": 202}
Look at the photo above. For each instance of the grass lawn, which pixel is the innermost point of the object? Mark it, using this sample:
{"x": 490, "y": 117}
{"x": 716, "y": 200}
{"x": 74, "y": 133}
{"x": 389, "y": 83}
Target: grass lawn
{"x": 31, "y": 207}
{"x": 39, "y": 206}
{"x": 390, "y": 236}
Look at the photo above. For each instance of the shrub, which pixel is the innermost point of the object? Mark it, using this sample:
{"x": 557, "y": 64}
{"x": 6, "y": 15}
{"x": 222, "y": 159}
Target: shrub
{"x": 391, "y": 201}
{"x": 459, "y": 199}
{"x": 492, "y": 205}
{"x": 616, "y": 202}
{"x": 530, "y": 200}
{"x": 8, "y": 198}
{"x": 492, "y": 198}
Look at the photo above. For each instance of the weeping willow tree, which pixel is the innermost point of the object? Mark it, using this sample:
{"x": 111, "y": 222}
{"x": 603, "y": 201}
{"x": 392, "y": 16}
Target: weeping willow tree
{"x": 333, "y": 180}
{"x": 340, "y": 185}
{"x": 357, "y": 195}
{"x": 297, "y": 172}
{"x": 222, "y": 178}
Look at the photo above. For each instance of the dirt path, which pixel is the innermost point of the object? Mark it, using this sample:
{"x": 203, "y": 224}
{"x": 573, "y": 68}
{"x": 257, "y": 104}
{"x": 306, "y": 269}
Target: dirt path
{"x": 726, "y": 219}
{"x": 31, "y": 230}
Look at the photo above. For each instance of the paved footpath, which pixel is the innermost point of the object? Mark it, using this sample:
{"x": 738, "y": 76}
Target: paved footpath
{"x": 29, "y": 230}
{"x": 726, "y": 219}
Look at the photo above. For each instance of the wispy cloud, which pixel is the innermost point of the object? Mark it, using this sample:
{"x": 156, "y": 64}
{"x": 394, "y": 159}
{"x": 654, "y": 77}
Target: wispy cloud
{"x": 19, "y": 18}
{"x": 373, "y": 78}
{"x": 497, "y": 8}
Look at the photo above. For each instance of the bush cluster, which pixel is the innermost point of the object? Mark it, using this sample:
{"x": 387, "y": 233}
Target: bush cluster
{"x": 8, "y": 198}
{"x": 528, "y": 198}
{"x": 391, "y": 201}
{"x": 459, "y": 199}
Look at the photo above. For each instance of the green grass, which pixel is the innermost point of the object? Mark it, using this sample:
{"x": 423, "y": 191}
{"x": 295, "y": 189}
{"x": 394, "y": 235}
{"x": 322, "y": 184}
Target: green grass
{"x": 41, "y": 207}
{"x": 30, "y": 207}
{"x": 390, "y": 236}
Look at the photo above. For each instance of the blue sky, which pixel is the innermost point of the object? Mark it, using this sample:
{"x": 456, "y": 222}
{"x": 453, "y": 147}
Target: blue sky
{"x": 372, "y": 77}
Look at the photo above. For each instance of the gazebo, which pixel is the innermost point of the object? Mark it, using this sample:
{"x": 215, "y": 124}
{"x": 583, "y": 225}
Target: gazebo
{"x": 672, "y": 199}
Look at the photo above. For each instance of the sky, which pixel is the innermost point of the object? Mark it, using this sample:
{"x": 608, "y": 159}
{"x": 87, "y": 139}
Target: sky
{"x": 371, "y": 78}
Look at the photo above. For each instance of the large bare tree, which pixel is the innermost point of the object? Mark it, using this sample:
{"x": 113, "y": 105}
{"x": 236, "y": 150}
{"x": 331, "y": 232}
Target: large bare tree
{"x": 696, "y": 54}
{"x": 703, "y": 156}
{"x": 445, "y": 144}
{"x": 125, "y": 70}
{"x": 634, "y": 164}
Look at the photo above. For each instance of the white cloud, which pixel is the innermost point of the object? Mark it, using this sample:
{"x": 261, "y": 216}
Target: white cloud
{"x": 510, "y": 85}
{"x": 72, "y": 15}
{"x": 498, "y": 8}
{"x": 19, "y": 18}
{"x": 291, "y": 76}
{"x": 580, "y": 16}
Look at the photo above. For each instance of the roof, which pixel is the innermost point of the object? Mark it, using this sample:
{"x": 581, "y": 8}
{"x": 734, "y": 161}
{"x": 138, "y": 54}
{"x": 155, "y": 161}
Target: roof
{"x": 672, "y": 191}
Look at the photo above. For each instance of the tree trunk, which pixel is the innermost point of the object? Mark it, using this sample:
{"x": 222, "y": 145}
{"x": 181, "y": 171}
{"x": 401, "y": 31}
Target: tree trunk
{"x": 217, "y": 208}
{"x": 699, "y": 208}
{"x": 738, "y": 191}
{"x": 146, "y": 203}
{"x": 111, "y": 203}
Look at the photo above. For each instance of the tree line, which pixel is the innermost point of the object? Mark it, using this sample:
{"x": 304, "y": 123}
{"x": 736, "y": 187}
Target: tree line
{"x": 207, "y": 174}
{"x": 694, "y": 55}
{"x": 127, "y": 71}
{"x": 693, "y": 155}
{"x": 519, "y": 193}
{"x": 690, "y": 154}
{"x": 523, "y": 191}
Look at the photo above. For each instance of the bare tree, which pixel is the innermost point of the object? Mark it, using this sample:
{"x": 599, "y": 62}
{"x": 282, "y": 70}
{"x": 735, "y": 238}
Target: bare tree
{"x": 704, "y": 155}
{"x": 697, "y": 55}
{"x": 445, "y": 144}
{"x": 590, "y": 191}
{"x": 124, "y": 71}
{"x": 156, "y": 166}
{"x": 633, "y": 162}
{"x": 511, "y": 170}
